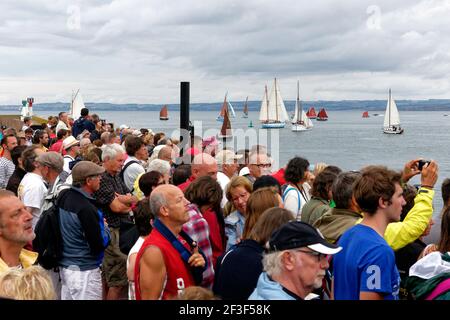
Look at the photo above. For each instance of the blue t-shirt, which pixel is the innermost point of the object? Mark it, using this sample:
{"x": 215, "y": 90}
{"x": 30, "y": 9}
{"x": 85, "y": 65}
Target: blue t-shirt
{"x": 365, "y": 264}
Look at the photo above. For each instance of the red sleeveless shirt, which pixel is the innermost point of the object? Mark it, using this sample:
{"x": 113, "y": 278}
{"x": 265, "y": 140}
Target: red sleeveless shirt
{"x": 178, "y": 275}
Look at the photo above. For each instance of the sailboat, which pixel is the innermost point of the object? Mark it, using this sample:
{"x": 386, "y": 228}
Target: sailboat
{"x": 163, "y": 114}
{"x": 322, "y": 115}
{"x": 245, "y": 109}
{"x": 273, "y": 114}
{"x": 225, "y": 131}
{"x": 365, "y": 114}
{"x": 300, "y": 122}
{"x": 76, "y": 105}
{"x": 392, "y": 118}
{"x": 311, "y": 113}
{"x": 226, "y": 105}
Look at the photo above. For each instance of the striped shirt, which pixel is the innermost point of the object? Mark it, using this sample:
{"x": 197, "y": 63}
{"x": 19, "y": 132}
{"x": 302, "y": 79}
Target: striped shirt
{"x": 7, "y": 168}
{"x": 198, "y": 229}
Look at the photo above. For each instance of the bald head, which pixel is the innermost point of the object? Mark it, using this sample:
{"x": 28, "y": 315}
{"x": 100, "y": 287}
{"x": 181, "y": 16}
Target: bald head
{"x": 204, "y": 164}
{"x": 168, "y": 203}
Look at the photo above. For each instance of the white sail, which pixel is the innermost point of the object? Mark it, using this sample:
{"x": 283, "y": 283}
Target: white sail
{"x": 277, "y": 110}
{"x": 297, "y": 114}
{"x": 76, "y": 106}
{"x": 231, "y": 112}
{"x": 391, "y": 116}
{"x": 308, "y": 122}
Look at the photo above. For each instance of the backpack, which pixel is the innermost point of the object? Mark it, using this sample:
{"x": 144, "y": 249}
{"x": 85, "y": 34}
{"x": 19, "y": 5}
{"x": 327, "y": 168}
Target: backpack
{"x": 48, "y": 240}
{"x": 122, "y": 173}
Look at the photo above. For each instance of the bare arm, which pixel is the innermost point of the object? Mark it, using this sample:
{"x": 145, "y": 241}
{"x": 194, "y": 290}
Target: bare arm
{"x": 118, "y": 207}
{"x": 152, "y": 274}
{"x": 364, "y": 295}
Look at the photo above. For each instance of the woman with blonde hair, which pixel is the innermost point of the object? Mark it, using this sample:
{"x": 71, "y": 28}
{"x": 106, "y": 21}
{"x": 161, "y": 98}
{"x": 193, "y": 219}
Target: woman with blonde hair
{"x": 238, "y": 191}
{"x": 32, "y": 283}
{"x": 258, "y": 202}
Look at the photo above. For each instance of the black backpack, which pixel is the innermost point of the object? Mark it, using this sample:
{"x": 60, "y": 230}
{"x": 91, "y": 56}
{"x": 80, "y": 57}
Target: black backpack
{"x": 48, "y": 240}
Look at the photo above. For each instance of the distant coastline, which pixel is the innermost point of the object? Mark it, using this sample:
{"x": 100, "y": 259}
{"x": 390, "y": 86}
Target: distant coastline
{"x": 364, "y": 105}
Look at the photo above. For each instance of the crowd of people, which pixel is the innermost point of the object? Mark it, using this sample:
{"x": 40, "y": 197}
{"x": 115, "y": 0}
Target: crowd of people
{"x": 138, "y": 218}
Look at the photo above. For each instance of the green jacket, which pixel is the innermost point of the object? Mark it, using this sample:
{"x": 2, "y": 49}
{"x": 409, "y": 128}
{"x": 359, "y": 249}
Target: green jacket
{"x": 335, "y": 222}
{"x": 314, "y": 209}
{"x": 420, "y": 285}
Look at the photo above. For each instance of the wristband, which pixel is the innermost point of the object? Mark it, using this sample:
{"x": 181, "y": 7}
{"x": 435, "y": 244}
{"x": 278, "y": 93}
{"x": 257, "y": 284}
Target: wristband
{"x": 425, "y": 186}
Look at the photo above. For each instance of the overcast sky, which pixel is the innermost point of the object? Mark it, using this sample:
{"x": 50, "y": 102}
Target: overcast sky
{"x": 138, "y": 51}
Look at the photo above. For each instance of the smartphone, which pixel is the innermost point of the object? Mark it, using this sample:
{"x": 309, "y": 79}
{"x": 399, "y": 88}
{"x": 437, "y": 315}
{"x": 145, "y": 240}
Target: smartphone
{"x": 421, "y": 163}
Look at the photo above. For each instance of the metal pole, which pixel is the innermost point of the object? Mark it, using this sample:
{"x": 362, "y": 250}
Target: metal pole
{"x": 185, "y": 125}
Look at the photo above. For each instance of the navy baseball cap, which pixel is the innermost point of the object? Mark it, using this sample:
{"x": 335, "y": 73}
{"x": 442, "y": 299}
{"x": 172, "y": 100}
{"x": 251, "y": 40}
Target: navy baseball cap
{"x": 297, "y": 234}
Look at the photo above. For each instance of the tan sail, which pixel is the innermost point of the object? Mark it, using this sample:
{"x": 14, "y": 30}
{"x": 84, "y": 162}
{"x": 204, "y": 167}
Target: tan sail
{"x": 225, "y": 131}
{"x": 163, "y": 114}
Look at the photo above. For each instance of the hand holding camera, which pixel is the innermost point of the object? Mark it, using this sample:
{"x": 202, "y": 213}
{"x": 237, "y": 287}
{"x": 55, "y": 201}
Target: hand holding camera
{"x": 410, "y": 170}
{"x": 430, "y": 171}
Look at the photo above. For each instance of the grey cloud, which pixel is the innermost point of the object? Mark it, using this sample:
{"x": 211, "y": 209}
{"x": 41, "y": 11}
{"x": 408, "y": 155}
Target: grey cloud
{"x": 221, "y": 43}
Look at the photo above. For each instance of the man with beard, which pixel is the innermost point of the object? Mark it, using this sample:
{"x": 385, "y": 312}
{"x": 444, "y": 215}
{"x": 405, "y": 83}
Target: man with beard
{"x": 295, "y": 264}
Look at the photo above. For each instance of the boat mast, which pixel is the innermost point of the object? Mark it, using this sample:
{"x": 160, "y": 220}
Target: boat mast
{"x": 276, "y": 100}
{"x": 299, "y": 108}
{"x": 267, "y": 100}
{"x": 389, "y": 114}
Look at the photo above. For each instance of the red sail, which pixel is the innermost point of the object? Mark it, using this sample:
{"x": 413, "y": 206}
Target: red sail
{"x": 226, "y": 125}
{"x": 322, "y": 114}
{"x": 311, "y": 113}
{"x": 365, "y": 114}
{"x": 224, "y": 107}
{"x": 163, "y": 114}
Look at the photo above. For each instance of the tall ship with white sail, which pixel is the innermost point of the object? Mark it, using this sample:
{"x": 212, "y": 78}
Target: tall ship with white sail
{"x": 392, "y": 118}
{"x": 300, "y": 122}
{"x": 273, "y": 114}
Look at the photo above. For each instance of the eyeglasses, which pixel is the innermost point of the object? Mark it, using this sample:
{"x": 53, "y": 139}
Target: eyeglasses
{"x": 314, "y": 253}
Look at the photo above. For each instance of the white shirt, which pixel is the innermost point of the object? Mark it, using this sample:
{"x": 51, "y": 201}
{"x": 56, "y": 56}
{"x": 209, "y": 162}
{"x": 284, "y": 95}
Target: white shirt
{"x": 290, "y": 201}
{"x": 223, "y": 180}
{"x": 132, "y": 172}
{"x": 137, "y": 246}
{"x": 31, "y": 192}
{"x": 61, "y": 125}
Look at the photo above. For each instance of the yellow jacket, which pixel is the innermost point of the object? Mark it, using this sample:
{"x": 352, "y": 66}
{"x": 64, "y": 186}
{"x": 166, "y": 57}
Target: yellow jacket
{"x": 26, "y": 258}
{"x": 402, "y": 233}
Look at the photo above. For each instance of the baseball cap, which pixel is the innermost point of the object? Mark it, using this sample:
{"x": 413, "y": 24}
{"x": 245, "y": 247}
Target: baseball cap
{"x": 69, "y": 142}
{"x": 124, "y": 126}
{"x": 297, "y": 234}
{"x": 84, "y": 169}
